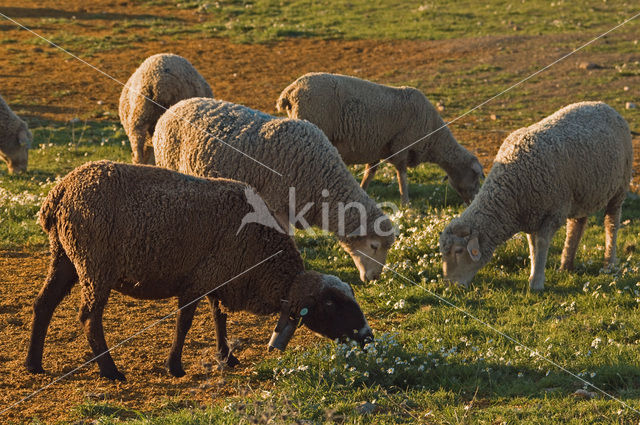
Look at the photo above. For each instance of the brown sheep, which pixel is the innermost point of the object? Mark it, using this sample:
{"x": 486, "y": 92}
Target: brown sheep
{"x": 152, "y": 233}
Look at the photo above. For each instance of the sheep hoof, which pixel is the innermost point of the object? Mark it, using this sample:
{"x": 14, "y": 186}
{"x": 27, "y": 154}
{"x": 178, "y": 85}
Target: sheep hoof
{"x": 567, "y": 267}
{"x": 33, "y": 368}
{"x": 536, "y": 285}
{"x": 229, "y": 361}
{"x": 113, "y": 375}
{"x": 175, "y": 370}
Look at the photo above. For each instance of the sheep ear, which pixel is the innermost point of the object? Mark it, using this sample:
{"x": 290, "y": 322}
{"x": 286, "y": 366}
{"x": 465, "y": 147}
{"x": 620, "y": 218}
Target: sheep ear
{"x": 477, "y": 167}
{"x": 473, "y": 247}
{"x": 23, "y": 138}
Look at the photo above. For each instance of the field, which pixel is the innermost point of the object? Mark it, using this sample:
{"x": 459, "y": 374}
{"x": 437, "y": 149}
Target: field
{"x": 432, "y": 363}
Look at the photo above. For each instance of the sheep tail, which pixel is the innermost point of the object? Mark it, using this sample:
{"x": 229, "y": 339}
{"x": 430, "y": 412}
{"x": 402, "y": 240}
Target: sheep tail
{"x": 47, "y": 214}
{"x": 283, "y": 104}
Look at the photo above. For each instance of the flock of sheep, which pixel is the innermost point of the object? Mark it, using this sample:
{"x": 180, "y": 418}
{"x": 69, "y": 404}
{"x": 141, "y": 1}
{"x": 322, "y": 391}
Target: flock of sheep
{"x": 152, "y": 233}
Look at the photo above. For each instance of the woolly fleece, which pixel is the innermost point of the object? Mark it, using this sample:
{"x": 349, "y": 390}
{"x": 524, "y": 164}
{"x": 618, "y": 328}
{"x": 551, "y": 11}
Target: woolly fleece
{"x": 166, "y": 79}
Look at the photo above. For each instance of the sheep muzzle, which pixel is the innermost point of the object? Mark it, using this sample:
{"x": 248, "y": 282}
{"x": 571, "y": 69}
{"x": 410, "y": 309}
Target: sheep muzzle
{"x": 282, "y": 334}
{"x": 284, "y": 329}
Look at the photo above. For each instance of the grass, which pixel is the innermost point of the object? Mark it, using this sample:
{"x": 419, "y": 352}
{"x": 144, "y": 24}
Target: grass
{"x": 267, "y": 20}
{"x": 262, "y": 21}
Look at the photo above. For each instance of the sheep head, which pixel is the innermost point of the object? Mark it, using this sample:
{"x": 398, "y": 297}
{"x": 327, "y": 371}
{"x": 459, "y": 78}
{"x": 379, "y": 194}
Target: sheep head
{"x": 461, "y": 253}
{"x": 15, "y": 151}
{"x": 324, "y": 304}
{"x": 369, "y": 251}
{"x": 467, "y": 182}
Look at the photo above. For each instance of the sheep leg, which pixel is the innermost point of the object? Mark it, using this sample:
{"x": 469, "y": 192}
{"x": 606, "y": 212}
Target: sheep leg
{"x": 369, "y": 173}
{"x": 611, "y": 225}
{"x": 148, "y": 156}
{"x": 575, "y": 229}
{"x": 91, "y": 310}
{"x": 220, "y": 318}
{"x": 539, "y": 248}
{"x": 403, "y": 184}
{"x": 183, "y": 324}
{"x": 138, "y": 145}
{"x": 62, "y": 276}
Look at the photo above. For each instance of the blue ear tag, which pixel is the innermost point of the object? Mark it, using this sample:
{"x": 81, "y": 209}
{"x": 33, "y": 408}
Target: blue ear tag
{"x": 303, "y": 313}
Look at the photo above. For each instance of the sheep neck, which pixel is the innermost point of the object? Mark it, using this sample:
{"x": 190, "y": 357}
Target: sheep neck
{"x": 491, "y": 215}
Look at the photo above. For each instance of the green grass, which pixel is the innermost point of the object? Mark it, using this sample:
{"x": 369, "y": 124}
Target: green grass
{"x": 267, "y": 20}
{"x": 263, "y": 21}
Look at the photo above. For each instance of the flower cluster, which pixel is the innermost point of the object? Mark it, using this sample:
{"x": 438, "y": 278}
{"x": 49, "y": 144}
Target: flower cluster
{"x": 385, "y": 362}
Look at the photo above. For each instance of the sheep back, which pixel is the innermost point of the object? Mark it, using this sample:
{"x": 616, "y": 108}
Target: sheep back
{"x": 207, "y": 137}
{"x": 155, "y": 233}
{"x": 165, "y": 79}
{"x": 570, "y": 163}
{"x": 366, "y": 121}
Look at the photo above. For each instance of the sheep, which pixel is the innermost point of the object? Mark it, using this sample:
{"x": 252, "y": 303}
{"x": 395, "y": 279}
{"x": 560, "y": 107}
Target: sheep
{"x": 15, "y": 139}
{"x": 165, "y": 79}
{"x": 369, "y": 122}
{"x": 211, "y": 138}
{"x": 152, "y": 233}
{"x": 563, "y": 168}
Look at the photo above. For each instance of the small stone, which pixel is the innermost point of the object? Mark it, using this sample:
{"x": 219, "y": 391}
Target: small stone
{"x": 625, "y": 88}
{"x": 366, "y": 408}
{"x": 440, "y": 106}
{"x": 100, "y": 102}
{"x": 589, "y": 65}
{"x": 494, "y": 117}
{"x": 630, "y": 105}
{"x": 96, "y": 396}
{"x": 587, "y": 395}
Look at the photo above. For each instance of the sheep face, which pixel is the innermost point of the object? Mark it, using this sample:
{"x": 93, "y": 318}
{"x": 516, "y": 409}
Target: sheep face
{"x": 15, "y": 151}
{"x": 334, "y": 312}
{"x": 461, "y": 254}
{"x": 369, "y": 253}
{"x": 467, "y": 183}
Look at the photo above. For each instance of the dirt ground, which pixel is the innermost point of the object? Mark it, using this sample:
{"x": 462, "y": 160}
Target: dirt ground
{"x": 249, "y": 74}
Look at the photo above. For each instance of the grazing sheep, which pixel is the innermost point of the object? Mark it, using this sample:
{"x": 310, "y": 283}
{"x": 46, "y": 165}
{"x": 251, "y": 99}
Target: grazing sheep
{"x": 210, "y": 138}
{"x": 369, "y": 122}
{"x": 152, "y": 233}
{"x": 15, "y": 139}
{"x": 563, "y": 168}
{"x": 166, "y": 79}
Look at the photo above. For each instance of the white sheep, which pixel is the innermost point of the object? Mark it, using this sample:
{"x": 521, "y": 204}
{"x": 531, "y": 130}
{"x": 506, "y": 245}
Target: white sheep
{"x": 207, "y": 137}
{"x": 561, "y": 169}
{"x": 166, "y": 79}
{"x": 369, "y": 122}
{"x": 15, "y": 139}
